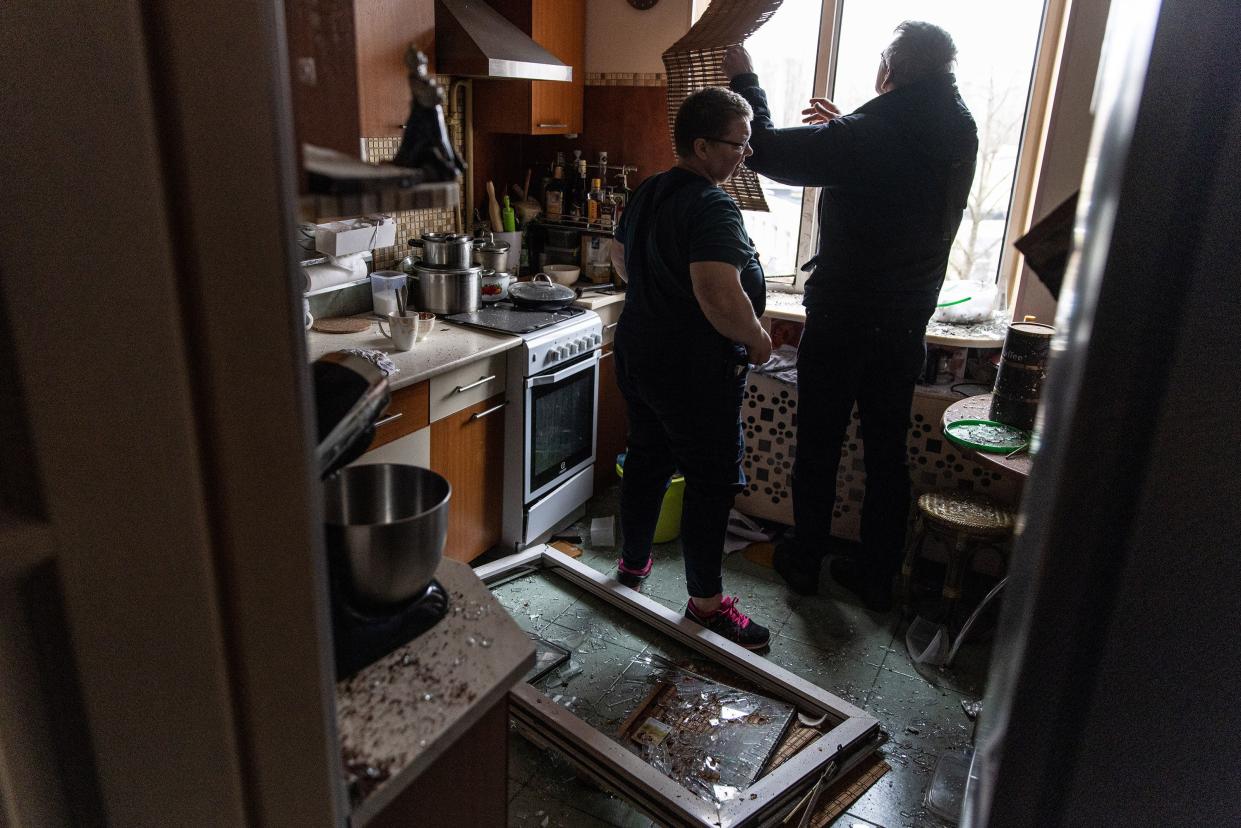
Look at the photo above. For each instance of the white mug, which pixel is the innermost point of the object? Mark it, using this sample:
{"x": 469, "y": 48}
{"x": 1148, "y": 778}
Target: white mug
{"x": 404, "y": 329}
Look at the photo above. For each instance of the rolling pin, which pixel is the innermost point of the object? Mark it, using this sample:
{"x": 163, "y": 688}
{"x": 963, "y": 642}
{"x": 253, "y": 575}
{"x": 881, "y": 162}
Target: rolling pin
{"x": 493, "y": 209}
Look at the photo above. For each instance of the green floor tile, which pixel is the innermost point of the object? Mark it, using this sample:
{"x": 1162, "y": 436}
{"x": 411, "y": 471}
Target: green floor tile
{"x": 922, "y": 720}
{"x": 534, "y": 600}
{"x": 534, "y": 809}
{"x": 849, "y": 678}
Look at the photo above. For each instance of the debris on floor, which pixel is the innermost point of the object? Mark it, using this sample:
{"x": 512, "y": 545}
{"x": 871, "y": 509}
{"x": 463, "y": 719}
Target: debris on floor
{"x": 710, "y": 738}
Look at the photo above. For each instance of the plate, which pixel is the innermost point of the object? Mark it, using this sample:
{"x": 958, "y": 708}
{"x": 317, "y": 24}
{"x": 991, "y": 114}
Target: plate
{"x": 986, "y": 435}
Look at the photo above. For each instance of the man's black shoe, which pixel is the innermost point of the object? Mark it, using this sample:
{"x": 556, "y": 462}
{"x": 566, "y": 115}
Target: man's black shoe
{"x": 877, "y": 597}
{"x": 798, "y": 571}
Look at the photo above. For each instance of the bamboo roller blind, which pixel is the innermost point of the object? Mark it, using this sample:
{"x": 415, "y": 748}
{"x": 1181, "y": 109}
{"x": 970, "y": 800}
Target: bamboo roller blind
{"x": 693, "y": 62}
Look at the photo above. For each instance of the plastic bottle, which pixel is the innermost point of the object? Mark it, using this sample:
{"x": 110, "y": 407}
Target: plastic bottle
{"x": 508, "y": 218}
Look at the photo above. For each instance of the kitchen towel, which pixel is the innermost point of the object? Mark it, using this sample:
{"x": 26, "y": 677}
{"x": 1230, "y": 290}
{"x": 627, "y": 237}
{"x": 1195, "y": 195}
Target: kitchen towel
{"x": 782, "y": 365}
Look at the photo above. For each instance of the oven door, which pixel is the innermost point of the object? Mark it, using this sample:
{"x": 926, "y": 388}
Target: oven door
{"x": 560, "y": 424}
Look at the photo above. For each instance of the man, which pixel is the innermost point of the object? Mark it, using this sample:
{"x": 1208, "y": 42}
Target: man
{"x": 689, "y": 327}
{"x": 895, "y": 175}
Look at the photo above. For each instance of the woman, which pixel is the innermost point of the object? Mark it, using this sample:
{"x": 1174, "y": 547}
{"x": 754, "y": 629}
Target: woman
{"x": 690, "y": 325}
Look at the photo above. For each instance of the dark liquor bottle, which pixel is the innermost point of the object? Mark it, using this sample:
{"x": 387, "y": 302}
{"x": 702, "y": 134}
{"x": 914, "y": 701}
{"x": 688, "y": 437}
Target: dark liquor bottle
{"x": 553, "y": 198}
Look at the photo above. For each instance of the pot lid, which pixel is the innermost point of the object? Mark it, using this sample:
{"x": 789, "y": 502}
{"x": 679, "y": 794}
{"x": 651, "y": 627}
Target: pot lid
{"x": 445, "y": 238}
{"x": 424, "y": 267}
{"x": 541, "y": 291}
{"x": 491, "y": 246}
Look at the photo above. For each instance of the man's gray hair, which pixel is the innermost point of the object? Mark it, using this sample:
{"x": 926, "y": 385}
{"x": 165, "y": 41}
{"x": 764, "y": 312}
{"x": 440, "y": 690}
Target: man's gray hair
{"x": 919, "y": 50}
{"x": 707, "y": 113}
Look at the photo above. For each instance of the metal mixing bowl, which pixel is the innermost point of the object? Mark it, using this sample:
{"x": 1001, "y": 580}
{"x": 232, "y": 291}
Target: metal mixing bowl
{"x": 386, "y": 524}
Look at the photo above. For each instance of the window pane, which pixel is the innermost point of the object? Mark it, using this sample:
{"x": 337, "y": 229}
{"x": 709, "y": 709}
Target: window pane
{"x": 995, "y": 56}
{"x": 783, "y": 52}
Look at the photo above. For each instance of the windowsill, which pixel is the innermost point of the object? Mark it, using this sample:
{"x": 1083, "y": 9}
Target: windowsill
{"x": 787, "y": 305}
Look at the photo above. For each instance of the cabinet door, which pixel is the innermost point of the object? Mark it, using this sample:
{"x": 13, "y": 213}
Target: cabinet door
{"x": 613, "y": 422}
{"x": 468, "y": 448}
{"x": 560, "y": 27}
{"x": 385, "y": 30}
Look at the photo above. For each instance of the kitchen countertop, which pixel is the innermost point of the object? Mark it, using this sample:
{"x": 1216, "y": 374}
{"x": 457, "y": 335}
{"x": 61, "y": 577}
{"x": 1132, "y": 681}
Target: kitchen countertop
{"x": 447, "y": 347}
{"x": 399, "y": 715}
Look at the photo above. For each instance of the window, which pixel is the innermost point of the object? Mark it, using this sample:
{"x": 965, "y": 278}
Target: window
{"x": 996, "y": 45}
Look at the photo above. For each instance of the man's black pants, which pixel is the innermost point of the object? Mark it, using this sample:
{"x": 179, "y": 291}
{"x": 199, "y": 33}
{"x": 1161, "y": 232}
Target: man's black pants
{"x": 873, "y": 358}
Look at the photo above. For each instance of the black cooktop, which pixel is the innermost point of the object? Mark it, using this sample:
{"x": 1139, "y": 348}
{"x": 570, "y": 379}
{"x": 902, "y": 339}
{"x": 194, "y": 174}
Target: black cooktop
{"x": 508, "y": 318}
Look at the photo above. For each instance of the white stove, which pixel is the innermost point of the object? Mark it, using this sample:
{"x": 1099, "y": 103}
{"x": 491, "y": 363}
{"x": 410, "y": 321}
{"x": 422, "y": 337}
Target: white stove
{"x": 553, "y": 382}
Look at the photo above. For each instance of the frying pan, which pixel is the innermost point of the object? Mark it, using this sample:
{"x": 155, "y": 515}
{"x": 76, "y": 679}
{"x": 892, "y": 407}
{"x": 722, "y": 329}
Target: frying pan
{"x": 541, "y": 294}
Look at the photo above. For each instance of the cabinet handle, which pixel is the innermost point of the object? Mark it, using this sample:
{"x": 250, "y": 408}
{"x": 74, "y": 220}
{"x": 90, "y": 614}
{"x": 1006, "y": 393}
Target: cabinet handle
{"x": 553, "y": 126}
{"x": 481, "y": 381}
{"x": 610, "y": 327}
{"x": 605, "y": 355}
{"x": 393, "y": 418}
{"x": 479, "y": 415}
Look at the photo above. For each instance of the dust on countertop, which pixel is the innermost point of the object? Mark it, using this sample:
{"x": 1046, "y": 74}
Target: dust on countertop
{"x": 393, "y": 710}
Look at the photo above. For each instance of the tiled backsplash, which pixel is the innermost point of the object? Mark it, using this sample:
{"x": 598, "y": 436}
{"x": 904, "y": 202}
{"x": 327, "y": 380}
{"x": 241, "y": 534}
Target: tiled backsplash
{"x": 626, "y": 79}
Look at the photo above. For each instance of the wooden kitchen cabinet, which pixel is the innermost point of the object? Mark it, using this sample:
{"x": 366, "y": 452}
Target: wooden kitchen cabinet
{"x": 613, "y": 426}
{"x": 409, "y": 410}
{"x": 347, "y": 67}
{"x": 467, "y": 448}
{"x": 538, "y": 107}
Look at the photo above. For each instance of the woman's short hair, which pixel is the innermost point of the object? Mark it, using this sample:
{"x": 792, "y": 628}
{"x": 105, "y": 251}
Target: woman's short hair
{"x": 919, "y": 50}
{"x": 707, "y": 113}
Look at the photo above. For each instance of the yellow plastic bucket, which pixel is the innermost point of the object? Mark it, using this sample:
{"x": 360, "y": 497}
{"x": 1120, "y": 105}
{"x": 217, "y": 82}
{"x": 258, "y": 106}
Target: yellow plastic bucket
{"x": 668, "y": 527}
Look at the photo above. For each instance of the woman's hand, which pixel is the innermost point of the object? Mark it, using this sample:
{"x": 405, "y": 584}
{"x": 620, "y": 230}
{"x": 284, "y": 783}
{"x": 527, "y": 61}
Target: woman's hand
{"x": 820, "y": 111}
{"x": 736, "y": 62}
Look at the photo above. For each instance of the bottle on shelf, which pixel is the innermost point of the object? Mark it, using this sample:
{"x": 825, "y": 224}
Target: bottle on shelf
{"x": 602, "y": 173}
{"x": 553, "y": 197}
{"x": 594, "y": 202}
{"x": 621, "y": 194}
{"x": 607, "y": 207}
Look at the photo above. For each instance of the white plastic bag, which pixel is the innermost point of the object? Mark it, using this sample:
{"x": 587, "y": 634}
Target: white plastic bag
{"x": 964, "y": 302}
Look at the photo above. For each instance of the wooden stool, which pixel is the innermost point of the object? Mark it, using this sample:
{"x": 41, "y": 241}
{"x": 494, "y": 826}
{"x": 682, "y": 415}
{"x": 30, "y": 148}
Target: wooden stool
{"x": 967, "y": 522}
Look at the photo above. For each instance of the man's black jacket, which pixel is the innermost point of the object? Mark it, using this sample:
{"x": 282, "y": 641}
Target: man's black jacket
{"x": 896, "y": 175}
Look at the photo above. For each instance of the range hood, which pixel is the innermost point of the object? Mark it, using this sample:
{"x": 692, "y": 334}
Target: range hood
{"x": 474, "y": 40}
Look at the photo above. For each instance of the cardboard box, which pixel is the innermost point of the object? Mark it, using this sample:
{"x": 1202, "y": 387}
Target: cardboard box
{"x": 340, "y": 238}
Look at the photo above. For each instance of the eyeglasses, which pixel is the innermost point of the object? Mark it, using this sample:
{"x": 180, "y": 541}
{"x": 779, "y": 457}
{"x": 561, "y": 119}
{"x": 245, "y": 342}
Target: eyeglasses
{"x": 744, "y": 145}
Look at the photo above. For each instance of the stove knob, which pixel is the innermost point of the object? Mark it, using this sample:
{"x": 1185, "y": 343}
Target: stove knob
{"x": 556, "y": 354}
{"x": 573, "y": 348}
{"x": 549, "y": 357}
{"x": 597, "y": 339}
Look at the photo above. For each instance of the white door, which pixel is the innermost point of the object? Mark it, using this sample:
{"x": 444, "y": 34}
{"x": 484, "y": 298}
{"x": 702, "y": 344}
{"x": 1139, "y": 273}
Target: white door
{"x": 163, "y": 629}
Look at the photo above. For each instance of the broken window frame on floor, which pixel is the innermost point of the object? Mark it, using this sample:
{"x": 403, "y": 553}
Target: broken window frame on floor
{"x": 608, "y": 763}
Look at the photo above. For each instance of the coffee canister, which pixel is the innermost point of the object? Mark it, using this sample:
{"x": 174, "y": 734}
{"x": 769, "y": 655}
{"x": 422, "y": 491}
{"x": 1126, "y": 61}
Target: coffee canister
{"x": 1023, "y": 367}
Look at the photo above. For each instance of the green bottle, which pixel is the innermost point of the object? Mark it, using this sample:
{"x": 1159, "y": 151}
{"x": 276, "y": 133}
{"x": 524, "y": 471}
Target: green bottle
{"x": 508, "y": 218}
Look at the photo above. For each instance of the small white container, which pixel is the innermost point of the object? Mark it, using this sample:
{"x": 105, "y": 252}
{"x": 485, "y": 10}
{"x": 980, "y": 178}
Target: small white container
{"x": 384, "y": 285}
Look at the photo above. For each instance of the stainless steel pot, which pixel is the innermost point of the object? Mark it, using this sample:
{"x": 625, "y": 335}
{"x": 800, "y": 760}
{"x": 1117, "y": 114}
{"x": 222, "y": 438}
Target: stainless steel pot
{"x": 386, "y": 526}
{"x": 490, "y": 254}
{"x": 446, "y": 290}
{"x": 446, "y": 249}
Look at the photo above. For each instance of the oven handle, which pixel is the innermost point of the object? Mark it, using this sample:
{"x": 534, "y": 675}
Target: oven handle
{"x": 549, "y": 379}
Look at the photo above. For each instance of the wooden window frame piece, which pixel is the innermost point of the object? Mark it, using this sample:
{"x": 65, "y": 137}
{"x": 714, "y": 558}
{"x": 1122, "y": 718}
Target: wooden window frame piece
{"x": 852, "y": 739}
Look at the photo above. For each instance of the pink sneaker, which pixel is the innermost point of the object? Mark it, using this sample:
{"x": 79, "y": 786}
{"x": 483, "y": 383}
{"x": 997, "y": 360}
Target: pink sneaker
{"x": 631, "y": 577}
{"x": 731, "y": 623}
